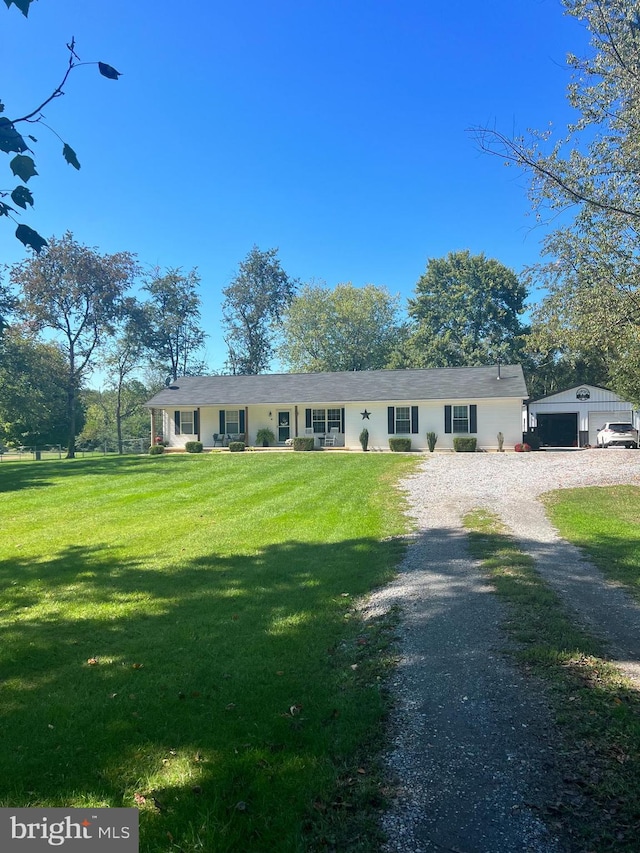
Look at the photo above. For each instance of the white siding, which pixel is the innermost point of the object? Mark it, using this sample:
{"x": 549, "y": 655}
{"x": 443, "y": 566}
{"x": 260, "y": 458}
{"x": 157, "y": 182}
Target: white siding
{"x": 493, "y": 416}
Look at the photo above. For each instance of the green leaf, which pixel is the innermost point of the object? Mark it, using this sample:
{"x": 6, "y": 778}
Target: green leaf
{"x": 23, "y": 167}
{"x": 29, "y": 237}
{"x": 5, "y": 209}
{"x": 23, "y": 5}
{"x": 1, "y": 107}
{"x": 70, "y": 156}
{"x": 10, "y": 139}
{"x": 22, "y": 197}
{"x": 108, "y": 71}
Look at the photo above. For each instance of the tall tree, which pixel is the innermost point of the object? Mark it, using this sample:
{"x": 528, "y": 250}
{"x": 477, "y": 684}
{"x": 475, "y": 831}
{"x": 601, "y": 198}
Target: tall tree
{"x": 33, "y": 390}
{"x": 7, "y": 306}
{"x": 254, "y": 304}
{"x": 76, "y": 293}
{"x": 591, "y": 174}
{"x": 123, "y": 358}
{"x": 591, "y": 310}
{"x": 12, "y": 141}
{"x": 466, "y": 311}
{"x": 173, "y": 335}
{"x": 347, "y": 328}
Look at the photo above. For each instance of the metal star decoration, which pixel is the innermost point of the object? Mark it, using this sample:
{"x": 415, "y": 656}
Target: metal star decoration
{"x": 365, "y": 415}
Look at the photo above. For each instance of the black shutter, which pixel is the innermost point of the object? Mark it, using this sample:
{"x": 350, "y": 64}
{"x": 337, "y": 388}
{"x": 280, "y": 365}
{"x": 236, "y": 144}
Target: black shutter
{"x": 222, "y": 422}
{"x": 391, "y": 419}
{"x": 414, "y": 419}
{"x": 196, "y": 423}
{"x": 307, "y": 418}
{"x": 176, "y": 420}
{"x": 447, "y": 418}
{"x": 473, "y": 418}
{"x": 341, "y": 420}
{"x": 242, "y": 420}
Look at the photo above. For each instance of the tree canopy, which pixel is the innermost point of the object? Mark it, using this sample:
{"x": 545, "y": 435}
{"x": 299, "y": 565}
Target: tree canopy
{"x": 590, "y": 174}
{"x": 466, "y": 311}
{"x": 171, "y": 322}
{"x": 255, "y": 301}
{"x": 345, "y": 328}
{"x": 593, "y": 167}
{"x": 76, "y": 293}
{"x": 33, "y": 390}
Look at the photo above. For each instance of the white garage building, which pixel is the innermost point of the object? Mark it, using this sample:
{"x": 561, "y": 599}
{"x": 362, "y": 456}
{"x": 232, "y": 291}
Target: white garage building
{"x": 572, "y": 418}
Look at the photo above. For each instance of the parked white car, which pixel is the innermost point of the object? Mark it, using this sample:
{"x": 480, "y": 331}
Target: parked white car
{"x": 617, "y": 435}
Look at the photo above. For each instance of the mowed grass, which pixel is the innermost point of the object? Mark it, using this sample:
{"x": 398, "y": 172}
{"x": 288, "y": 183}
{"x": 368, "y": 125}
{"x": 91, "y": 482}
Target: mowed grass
{"x": 605, "y": 522}
{"x": 178, "y": 633}
{"x": 597, "y": 798}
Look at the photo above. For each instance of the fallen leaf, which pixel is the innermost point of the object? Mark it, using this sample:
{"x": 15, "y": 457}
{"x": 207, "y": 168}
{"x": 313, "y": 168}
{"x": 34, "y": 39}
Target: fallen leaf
{"x": 140, "y": 798}
{"x": 92, "y": 661}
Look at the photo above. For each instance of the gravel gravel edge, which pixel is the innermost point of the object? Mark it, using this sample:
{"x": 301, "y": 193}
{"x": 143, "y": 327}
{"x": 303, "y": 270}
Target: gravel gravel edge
{"x": 472, "y": 738}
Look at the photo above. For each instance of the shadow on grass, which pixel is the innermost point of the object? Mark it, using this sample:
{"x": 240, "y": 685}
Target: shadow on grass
{"x": 31, "y": 474}
{"x": 223, "y": 692}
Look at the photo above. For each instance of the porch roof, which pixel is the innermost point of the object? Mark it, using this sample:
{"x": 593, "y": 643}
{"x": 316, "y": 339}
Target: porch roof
{"x": 367, "y": 386}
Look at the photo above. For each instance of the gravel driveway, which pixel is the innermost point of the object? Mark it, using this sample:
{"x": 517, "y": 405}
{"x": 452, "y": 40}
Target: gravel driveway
{"x": 472, "y": 738}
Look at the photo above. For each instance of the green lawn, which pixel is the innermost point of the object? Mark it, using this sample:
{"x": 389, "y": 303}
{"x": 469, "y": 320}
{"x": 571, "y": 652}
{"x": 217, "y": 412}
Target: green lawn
{"x": 605, "y": 523}
{"x": 179, "y": 633}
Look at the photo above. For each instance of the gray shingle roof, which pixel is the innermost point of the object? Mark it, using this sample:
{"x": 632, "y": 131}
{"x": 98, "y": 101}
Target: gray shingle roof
{"x": 443, "y": 383}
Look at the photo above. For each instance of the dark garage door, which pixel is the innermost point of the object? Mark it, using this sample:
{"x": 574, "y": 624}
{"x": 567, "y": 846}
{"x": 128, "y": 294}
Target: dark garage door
{"x": 558, "y": 429}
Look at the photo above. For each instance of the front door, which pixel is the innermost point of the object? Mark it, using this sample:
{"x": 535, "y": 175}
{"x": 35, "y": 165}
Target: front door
{"x": 284, "y": 426}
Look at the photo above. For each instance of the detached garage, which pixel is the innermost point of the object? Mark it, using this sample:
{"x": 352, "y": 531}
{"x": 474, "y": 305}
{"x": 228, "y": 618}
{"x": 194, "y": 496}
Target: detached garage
{"x": 572, "y": 418}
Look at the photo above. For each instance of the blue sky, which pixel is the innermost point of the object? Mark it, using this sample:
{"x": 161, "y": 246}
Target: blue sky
{"x": 332, "y": 129}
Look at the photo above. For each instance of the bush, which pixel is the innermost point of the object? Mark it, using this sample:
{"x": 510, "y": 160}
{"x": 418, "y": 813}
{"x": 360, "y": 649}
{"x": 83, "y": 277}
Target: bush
{"x": 400, "y": 445}
{"x": 364, "y": 439}
{"x": 432, "y": 438}
{"x": 236, "y": 446}
{"x": 532, "y": 439}
{"x": 303, "y": 442}
{"x": 465, "y": 444}
{"x": 156, "y": 449}
{"x": 522, "y": 448}
{"x": 193, "y": 446}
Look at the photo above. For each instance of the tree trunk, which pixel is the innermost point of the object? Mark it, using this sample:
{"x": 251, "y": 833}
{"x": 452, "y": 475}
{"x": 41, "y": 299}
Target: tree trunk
{"x": 119, "y": 422}
{"x": 71, "y": 410}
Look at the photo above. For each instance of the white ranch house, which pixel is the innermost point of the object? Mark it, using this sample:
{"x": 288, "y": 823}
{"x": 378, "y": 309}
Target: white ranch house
{"x": 334, "y": 408}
